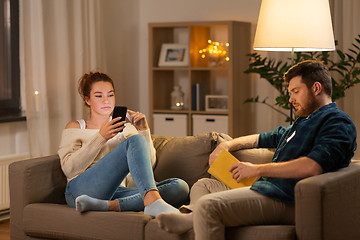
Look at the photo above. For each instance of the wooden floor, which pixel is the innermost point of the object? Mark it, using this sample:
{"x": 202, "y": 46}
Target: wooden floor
{"x": 5, "y": 230}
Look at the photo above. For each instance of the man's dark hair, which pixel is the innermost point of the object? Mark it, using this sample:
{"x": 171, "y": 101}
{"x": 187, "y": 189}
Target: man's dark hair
{"x": 311, "y": 71}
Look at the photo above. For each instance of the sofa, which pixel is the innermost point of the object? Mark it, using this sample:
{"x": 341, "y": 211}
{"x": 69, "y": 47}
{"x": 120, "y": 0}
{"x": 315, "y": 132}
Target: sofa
{"x": 327, "y": 206}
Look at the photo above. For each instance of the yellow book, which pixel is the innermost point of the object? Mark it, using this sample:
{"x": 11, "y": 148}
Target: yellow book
{"x": 220, "y": 170}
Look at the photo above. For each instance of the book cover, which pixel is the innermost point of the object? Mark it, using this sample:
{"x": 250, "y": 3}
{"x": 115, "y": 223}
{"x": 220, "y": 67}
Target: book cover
{"x": 198, "y": 97}
{"x": 193, "y": 97}
{"x": 220, "y": 170}
{"x": 201, "y": 91}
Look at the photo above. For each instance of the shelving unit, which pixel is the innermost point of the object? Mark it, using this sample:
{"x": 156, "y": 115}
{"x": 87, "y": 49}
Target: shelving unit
{"x": 227, "y": 79}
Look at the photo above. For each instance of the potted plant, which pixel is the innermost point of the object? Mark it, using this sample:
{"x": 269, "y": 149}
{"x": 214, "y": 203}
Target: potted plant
{"x": 345, "y": 73}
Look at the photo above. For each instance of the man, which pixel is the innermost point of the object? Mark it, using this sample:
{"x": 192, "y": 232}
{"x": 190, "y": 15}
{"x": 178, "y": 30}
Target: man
{"x": 322, "y": 139}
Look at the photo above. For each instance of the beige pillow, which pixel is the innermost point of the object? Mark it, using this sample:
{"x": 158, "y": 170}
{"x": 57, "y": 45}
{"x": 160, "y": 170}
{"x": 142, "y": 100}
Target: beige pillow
{"x": 183, "y": 157}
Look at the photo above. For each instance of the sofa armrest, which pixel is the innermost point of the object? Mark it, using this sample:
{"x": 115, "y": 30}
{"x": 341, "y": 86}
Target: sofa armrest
{"x": 35, "y": 180}
{"x": 327, "y": 206}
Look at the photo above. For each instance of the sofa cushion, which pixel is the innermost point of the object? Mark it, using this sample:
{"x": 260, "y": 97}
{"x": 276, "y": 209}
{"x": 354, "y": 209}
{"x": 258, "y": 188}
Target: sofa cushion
{"x": 263, "y": 232}
{"x": 58, "y": 221}
{"x": 154, "y": 232}
{"x": 183, "y": 157}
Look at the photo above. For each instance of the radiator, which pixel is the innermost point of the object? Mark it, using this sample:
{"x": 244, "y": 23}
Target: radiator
{"x": 5, "y": 194}
{"x": 5, "y": 161}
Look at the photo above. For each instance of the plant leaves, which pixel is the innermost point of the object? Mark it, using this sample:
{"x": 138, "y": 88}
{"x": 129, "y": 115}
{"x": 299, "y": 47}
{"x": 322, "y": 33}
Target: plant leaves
{"x": 353, "y": 51}
{"x": 356, "y": 46}
{"x": 341, "y": 54}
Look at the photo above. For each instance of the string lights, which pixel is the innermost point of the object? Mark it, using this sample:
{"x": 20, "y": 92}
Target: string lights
{"x": 217, "y": 53}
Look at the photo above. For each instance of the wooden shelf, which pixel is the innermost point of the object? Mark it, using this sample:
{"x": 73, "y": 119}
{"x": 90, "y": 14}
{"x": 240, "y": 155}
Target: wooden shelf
{"x": 228, "y": 79}
{"x": 209, "y": 112}
{"x": 170, "y": 68}
{"x": 170, "y": 111}
{"x": 188, "y": 68}
{"x": 186, "y": 111}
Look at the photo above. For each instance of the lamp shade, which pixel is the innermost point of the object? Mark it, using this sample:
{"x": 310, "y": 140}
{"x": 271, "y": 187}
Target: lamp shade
{"x": 294, "y": 25}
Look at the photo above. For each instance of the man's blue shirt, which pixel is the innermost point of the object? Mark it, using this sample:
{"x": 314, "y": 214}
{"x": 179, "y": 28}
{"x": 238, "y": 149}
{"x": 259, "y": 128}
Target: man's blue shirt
{"x": 327, "y": 136}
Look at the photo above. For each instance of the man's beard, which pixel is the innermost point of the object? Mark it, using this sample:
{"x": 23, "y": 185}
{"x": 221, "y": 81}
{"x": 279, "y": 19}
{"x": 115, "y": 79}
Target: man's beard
{"x": 307, "y": 108}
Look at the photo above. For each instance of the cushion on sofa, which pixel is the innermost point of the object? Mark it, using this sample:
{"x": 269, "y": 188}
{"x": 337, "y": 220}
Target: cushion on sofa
{"x": 154, "y": 232}
{"x": 263, "y": 232}
{"x": 58, "y": 221}
{"x": 183, "y": 157}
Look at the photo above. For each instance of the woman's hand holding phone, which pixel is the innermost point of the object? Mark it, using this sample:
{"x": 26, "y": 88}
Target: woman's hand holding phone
{"x": 110, "y": 128}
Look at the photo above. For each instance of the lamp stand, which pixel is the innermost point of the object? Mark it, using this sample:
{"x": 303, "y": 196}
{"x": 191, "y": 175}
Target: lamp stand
{"x": 292, "y": 64}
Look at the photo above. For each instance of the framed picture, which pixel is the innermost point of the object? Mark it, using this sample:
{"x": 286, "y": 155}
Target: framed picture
{"x": 174, "y": 55}
{"x": 216, "y": 103}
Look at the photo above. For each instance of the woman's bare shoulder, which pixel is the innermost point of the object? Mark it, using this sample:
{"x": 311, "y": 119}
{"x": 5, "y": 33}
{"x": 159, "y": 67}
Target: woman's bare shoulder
{"x": 73, "y": 124}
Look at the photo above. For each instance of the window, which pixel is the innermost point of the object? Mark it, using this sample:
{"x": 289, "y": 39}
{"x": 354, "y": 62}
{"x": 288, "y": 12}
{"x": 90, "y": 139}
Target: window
{"x": 9, "y": 58}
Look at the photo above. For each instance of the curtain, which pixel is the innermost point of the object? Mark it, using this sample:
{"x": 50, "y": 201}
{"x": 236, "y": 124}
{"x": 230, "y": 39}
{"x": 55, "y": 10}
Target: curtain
{"x": 346, "y": 19}
{"x": 59, "y": 41}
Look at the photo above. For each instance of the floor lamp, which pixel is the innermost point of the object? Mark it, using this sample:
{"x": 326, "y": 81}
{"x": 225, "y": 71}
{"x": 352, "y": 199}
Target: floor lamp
{"x": 294, "y": 26}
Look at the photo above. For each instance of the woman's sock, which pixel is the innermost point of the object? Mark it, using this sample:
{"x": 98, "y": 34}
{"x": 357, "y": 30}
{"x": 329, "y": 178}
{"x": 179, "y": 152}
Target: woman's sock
{"x": 85, "y": 203}
{"x": 159, "y": 206}
{"x": 175, "y": 223}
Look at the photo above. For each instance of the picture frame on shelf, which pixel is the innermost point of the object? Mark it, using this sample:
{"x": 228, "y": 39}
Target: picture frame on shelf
{"x": 216, "y": 103}
{"x": 174, "y": 55}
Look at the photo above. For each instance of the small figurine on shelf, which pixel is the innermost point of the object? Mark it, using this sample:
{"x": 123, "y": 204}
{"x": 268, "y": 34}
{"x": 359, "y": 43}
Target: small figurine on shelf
{"x": 177, "y": 98}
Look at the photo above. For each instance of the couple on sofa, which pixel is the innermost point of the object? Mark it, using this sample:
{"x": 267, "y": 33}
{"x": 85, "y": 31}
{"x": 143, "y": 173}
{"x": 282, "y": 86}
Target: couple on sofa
{"x": 322, "y": 139}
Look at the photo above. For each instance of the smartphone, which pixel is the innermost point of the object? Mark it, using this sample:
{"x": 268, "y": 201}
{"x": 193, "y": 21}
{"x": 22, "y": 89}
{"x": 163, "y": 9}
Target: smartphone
{"x": 120, "y": 111}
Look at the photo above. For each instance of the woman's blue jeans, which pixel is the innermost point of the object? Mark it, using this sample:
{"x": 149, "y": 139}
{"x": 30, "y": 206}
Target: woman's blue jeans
{"x": 102, "y": 181}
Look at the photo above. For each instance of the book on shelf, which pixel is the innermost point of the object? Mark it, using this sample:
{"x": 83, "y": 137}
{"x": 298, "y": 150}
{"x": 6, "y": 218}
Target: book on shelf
{"x": 198, "y": 93}
{"x": 220, "y": 170}
{"x": 193, "y": 97}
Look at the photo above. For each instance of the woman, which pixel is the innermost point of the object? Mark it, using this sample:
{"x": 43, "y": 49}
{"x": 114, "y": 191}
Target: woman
{"x": 96, "y": 158}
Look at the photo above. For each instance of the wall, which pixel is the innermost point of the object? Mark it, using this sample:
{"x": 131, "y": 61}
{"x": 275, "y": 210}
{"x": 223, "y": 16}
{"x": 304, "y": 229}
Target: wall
{"x": 345, "y": 19}
{"x": 120, "y": 27}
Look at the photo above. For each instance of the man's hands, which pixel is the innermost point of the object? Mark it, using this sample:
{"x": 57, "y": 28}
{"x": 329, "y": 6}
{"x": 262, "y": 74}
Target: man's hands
{"x": 138, "y": 120}
{"x": 241, "y": 170}
{"x": 246, "y": 142}
{"x": 244, "y": 170}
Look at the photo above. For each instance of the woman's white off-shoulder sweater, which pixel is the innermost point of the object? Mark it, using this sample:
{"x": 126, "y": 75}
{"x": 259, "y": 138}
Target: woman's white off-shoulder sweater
{"x": 82, "y": 148}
